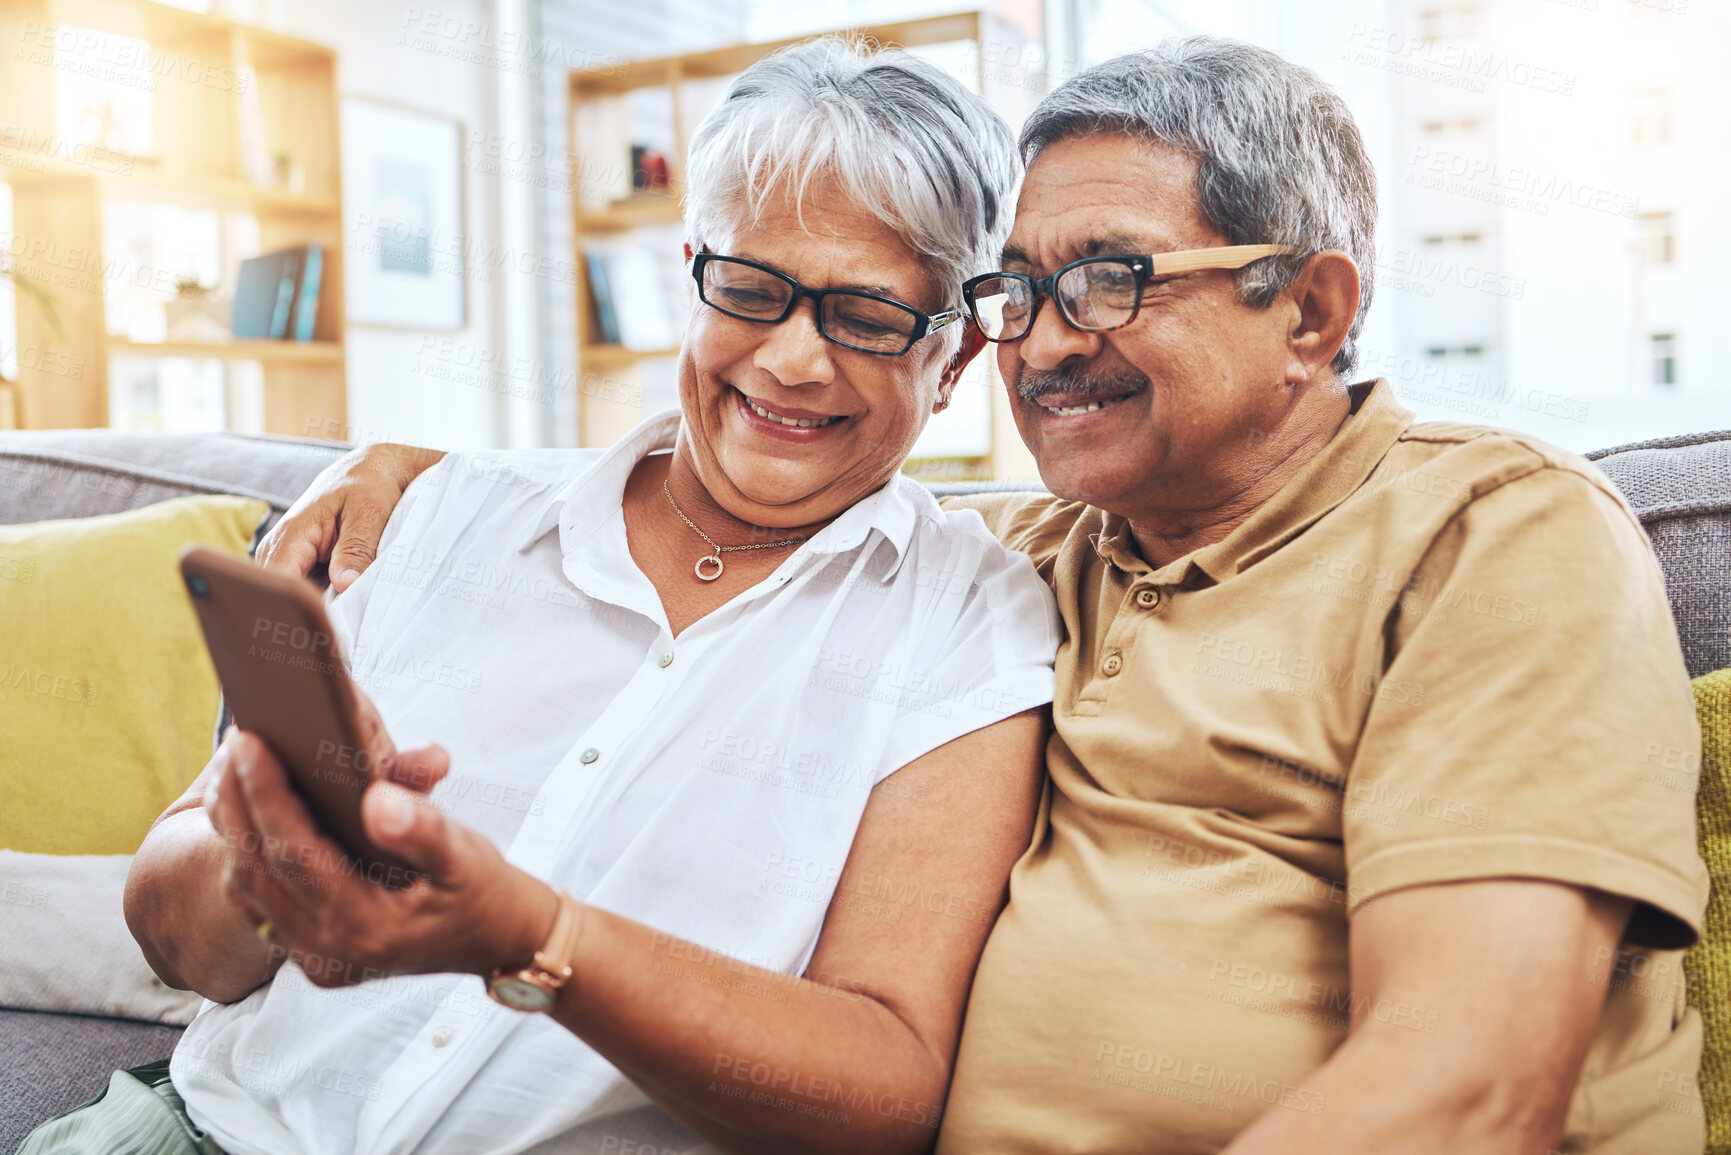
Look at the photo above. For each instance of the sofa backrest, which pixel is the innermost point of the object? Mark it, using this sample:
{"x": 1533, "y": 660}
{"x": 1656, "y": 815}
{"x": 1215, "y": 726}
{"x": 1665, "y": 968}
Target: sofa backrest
{"x": 1680, "y": 487}
{"x": 83, "y": 472}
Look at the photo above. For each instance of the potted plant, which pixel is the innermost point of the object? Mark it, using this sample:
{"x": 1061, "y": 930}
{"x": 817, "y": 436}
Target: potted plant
{"x": 196, "y": 313}
{"x": 286, "y": 172}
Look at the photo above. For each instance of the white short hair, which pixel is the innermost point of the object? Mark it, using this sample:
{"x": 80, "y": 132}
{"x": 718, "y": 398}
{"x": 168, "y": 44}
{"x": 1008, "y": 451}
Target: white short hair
{"x": 901, "y": 137}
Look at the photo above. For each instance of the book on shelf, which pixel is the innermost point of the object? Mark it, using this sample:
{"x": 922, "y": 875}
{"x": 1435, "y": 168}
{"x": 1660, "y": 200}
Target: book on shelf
{"x": 606, "y": 322}
{"x": 636, "y": 296}
{"x": 276, "y": 295}
{"x": 306, "y": 311}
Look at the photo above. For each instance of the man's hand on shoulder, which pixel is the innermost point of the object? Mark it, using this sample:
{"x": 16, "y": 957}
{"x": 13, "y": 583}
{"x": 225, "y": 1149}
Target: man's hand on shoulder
{"x": 338, "y": 521}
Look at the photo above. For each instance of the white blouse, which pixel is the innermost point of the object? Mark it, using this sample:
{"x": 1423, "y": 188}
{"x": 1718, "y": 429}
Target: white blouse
{"x": 708, "y": 786}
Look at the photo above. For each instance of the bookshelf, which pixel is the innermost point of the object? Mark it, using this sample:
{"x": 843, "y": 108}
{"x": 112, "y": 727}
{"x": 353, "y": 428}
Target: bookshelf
{"x": 605, "y": 208}
{"x": 201, "y": 114}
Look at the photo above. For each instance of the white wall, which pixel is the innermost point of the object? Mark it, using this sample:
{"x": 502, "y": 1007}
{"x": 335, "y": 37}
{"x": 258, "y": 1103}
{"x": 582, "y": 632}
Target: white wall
{"x": 391, "y": 393}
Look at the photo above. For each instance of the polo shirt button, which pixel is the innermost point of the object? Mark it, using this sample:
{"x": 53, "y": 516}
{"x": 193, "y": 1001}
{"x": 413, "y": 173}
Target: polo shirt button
{"x": 667, "y": 659}
{"x": 589, "y": 755}
{"x": 1147, "y": 599}
{"x": 1113, "y": 663}
{"x": 443, "y": 1036}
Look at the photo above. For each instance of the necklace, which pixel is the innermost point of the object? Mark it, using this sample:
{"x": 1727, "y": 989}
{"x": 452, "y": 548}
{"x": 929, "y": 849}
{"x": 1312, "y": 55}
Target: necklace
{"x": 713, "y": 558}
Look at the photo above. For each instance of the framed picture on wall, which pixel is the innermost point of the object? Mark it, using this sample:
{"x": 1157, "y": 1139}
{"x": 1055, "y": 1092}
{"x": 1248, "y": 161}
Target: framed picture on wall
{"x": 403, "y": 216}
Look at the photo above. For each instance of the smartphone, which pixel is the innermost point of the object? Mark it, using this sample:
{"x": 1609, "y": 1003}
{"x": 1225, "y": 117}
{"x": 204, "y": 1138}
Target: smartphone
{"x": 284, "y": 680}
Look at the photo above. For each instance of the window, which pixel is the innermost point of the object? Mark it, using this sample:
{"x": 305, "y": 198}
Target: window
{"x": 1658, "y": 238}
{"x": 1664, "y": 347}
{"x": 1652, "y": 116}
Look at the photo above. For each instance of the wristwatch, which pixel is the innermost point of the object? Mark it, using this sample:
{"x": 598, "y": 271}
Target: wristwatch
{"x": 536, "y": 987}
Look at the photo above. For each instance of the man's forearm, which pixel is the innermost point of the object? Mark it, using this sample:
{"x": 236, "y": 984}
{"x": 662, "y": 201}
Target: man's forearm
{"x": 1516, "y": 1003}
{"x": 1378, "y": 1096}
{"x": 193, "y": 937}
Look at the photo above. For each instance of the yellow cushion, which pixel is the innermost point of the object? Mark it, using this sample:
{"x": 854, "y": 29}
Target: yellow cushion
{"x": 107, "y": 697}
{"x": 1708, "y": 965}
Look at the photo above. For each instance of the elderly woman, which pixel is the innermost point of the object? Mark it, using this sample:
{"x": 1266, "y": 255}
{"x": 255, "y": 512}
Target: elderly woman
{"x": 724, "y": 812}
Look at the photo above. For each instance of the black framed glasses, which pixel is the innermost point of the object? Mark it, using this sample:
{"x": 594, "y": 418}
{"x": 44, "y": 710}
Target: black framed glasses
{"x": 1094, "y": 294}
{"x": 862, "y": 321}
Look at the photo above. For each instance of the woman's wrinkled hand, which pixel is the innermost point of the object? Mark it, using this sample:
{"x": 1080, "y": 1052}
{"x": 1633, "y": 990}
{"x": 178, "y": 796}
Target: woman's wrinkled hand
{"x": 467, "y": 909}
{"x": 338, "y": 521}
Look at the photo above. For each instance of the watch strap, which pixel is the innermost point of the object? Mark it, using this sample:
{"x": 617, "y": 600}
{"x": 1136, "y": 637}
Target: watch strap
{"x": 554, "y": 958}
{"x": 550, "y": 969}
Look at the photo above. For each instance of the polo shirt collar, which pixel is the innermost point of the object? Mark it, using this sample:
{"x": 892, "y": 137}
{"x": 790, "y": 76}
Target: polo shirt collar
{"x": 581, "y": 505}
{"x": 1328, "y": 479}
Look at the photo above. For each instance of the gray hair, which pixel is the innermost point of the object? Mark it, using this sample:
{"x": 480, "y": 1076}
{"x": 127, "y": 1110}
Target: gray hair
{"x": 1280, "y": 159}
{"x": 903, "y": 138}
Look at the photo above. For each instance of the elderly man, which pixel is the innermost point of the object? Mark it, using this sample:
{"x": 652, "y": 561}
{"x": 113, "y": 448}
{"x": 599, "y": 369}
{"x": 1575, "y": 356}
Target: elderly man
{"x": 1347, "y": 823}
{"x": 1347, "y": 845}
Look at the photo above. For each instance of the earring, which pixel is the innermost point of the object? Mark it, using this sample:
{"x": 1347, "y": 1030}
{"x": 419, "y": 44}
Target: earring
{"x": 943, "y": 404}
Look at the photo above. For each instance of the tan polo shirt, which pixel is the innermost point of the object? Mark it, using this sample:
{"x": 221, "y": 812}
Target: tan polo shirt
{"x": 1441, "y": 652}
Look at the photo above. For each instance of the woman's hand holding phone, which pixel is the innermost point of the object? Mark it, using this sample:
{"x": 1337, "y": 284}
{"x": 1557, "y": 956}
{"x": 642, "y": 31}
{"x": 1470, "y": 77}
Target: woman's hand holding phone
{"x": 464, "y": 910}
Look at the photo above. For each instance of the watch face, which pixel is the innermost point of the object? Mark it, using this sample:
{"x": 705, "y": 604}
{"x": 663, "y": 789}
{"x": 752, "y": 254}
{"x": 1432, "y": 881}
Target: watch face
{"x": 520, "y": 994}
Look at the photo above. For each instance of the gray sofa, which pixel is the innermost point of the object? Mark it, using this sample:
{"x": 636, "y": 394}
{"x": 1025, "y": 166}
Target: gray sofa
{"x": 1681, "y": 487}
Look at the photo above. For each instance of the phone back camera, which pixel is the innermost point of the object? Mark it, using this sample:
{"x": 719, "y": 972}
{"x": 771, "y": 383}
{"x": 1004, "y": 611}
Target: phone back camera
{"x": 197, "y": 586}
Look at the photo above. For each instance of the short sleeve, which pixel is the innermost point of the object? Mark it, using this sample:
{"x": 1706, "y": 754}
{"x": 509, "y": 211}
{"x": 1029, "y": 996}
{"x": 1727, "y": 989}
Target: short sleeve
{"x": 1028, "y": 522}
{"x": 990, "y": 659}
{"x": 1550, "y": 732}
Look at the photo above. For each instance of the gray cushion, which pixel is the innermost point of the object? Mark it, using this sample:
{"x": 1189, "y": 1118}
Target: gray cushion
{"x": 81, "y": 472}
{"x": 50, "y": 1063}
{"x": 1681, "y": 489}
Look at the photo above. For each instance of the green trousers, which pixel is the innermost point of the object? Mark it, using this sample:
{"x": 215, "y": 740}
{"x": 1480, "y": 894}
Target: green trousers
{"x": 139, "y": 1114}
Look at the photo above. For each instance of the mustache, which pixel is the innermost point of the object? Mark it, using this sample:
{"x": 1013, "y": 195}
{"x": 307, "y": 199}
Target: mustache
{"x": 1037, "y": 383}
